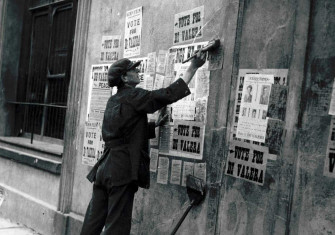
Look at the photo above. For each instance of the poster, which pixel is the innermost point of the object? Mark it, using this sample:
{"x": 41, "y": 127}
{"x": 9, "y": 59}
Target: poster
{"x": 91, "y": 146}
{"x": 110, "y": 48}
{"x": 187, "y": 139}
{"x": 215, "y": 58}
{"x": 200, "y": 171}
{"x": 175, "y": 172}
{"x": 99, "y": 92}
{"x": 277, "y": 102}
{"x": 188, "y": 25}
{"x": 188, "y": 169}
{"x": 2, "y": 195}
{"x": 132, "y": 35}
{"x": 183, "y": 110}
{"x": 202, "y": 84}
{"x": 246, "y": 162}
{"x": 163, "y": 170}
{"x": 151, "y": 68}
{"x": 329, "y": 166}
{"x": 252, "y": 120}
{"x": 159, "y": 81}
{"x": 153, "y": 159}
{"x": 161, "y": 61}
{"x": 332, "y": 101}
{"x": 321, "y": 86}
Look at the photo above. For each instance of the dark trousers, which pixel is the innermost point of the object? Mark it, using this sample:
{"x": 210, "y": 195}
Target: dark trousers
{"x": 110, "y": 207}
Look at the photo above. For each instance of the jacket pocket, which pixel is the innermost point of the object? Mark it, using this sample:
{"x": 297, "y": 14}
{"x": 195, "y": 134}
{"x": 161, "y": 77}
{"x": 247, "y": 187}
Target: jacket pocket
{"x": 144, "y": 171}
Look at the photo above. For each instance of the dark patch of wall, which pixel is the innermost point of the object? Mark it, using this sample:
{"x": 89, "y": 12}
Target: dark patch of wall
{"x": 11, "y": 50}
{"x": 313, "y": 205}
{"x": 266, "y": 43}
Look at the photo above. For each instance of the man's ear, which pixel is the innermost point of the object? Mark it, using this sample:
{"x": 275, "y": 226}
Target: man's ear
{"x": 124, "y": 78}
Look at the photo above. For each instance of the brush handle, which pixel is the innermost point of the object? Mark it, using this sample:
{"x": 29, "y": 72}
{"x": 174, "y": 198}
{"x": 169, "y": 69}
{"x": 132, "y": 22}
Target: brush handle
{"x": 182, "y": 218}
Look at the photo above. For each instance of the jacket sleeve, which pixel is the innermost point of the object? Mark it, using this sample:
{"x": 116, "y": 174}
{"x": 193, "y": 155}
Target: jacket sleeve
{"x": 150, "y": 101}
{"x": 151, "y": 130}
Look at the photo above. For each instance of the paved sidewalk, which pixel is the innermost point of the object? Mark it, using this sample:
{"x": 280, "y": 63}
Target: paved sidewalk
{"x": 8, "y": 227}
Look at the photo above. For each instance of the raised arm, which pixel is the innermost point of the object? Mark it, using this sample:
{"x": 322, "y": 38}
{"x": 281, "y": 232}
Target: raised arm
{"x": 196, "y": 63}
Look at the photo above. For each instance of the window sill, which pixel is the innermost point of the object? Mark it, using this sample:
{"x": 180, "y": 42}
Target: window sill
{"x": 40, "y": 155}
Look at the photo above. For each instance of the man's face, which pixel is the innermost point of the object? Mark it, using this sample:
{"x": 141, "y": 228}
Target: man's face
{"x": 249, "y": 89}
{"x": 132, "y": 76}
{"x": 265, "y": 90}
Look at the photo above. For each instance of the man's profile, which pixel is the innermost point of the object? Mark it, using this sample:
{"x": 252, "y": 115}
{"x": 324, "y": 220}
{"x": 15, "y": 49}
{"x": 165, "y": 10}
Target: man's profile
{"x": 248, "y": 95}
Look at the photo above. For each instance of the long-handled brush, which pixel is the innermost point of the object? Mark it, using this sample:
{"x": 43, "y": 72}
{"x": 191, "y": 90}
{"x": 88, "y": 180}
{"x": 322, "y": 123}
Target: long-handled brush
{"x": 196, "y": 191}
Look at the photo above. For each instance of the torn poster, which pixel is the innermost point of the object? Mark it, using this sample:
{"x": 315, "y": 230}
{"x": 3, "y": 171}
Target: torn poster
{"x": 274, "y": 133}
{"x": 132, "y": 35}
{"x": 247, "y": 162}
{"x": 200, "y": 171}
{"x": 215, "y": 58}
{"x": 252, "y": 121}
{"x": 163, "y": 170}
{"x": 110, "y": 48}
{"x": 188, "y": 139}
{"x": 277, "y": 102}
{"x": 329, "y": 166}
{"x": 321, "y": 84}
{"x": 161, "y": 61}
{"x": 188, "y": 25}
{"x": 175, "y": 172}
{"x": 188, "y": 169}
{"x": 153, "y": 159}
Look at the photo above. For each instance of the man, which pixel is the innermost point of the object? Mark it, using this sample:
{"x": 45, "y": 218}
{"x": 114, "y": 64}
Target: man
{"x": 248, "y": 96}
{"x": 264, "y": 99}
{"x": 124, "y": 166}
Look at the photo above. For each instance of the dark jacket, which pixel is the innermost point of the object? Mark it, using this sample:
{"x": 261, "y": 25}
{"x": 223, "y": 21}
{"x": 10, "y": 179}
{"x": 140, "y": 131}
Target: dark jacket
{"x": 126, "y": 132}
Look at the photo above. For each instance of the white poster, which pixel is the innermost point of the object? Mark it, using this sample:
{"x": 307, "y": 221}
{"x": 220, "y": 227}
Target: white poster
{"x": 188, "y": 169}
{"x": 175, "y": 172}
{"x": 99, "y": 92}
{"x": 110, "y": 48}
{"x": 132, "y": 35}
{"x": 163, "y": 170}
{"x": 153, "y": 159}
{"x": 184, "y": 110}
{"x": 247, "y": 162}
{"x": 252, "y": 121}
{"x": 159, "y": 81}
{"x": 188, "y": 25}
{"x": 187, "y": 139}
{"x": 200, "y": 171}
{"x": 332, "y": 101}
{"x": 91, "y": 143}
{"x": 161, "y": 61}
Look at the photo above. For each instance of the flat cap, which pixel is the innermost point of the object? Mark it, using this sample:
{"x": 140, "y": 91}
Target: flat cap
{"x": 119, "y": 68}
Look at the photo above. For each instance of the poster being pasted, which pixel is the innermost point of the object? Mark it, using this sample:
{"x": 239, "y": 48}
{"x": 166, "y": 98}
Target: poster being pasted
{"x": 132, "y": 35}
{"x": 188, "y": 25}
{"x": 252, "y": 121}
{"x": 110, "y": 48}
{"x": 246, "y": 162}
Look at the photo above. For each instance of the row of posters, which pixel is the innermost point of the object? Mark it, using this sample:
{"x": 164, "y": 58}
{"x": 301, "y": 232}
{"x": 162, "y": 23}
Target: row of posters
{"x": 176, "y": 171}
{"x": 187, "y": 27}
